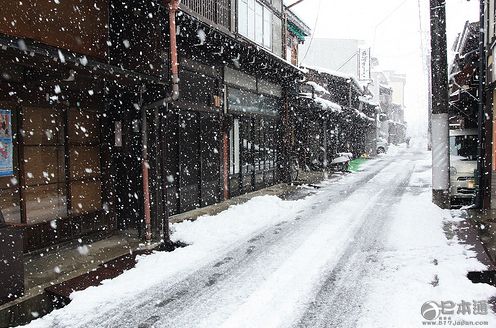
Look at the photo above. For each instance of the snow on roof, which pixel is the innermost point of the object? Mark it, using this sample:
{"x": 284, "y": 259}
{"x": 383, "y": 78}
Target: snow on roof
{"x": 304, "y": 69}
{"x": 298, "y": 22}
{"x": 317, "y": 87}
{"x": 324, "y": 103}
{"x": 337, "y": 74}
{"x": 385, "y": 86}
{"x": 368, "y": 101}
{"x": 362, "y": 115}
{"x": 327, "y": 104}
{"x": 330, "y": 72}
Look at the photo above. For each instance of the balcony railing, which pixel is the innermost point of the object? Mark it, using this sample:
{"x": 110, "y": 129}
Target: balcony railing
{"x": 215, "y": 11}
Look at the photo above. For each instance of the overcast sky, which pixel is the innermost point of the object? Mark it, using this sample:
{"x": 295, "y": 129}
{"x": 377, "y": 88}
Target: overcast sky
{"x": 392, "y": 29}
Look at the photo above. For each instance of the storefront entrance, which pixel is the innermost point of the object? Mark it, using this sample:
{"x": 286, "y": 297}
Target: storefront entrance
{"x": 191, "y": 159}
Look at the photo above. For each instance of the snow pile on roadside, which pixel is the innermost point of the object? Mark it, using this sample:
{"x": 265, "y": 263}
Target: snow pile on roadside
{"x": 209, "y": 237}
{"x": 238, "y": 223}
{"x": 420, "y": 264}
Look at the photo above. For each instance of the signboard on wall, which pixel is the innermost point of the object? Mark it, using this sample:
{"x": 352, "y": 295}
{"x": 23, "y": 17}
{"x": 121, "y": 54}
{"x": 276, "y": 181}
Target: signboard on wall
{"x": 364, "y": 64}
{"x": 6, "y": 148}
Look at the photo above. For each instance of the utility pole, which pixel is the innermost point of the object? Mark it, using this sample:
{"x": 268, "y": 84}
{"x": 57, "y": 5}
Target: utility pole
{"x": 481, "y": 122}
{"x": 440, "y": 101}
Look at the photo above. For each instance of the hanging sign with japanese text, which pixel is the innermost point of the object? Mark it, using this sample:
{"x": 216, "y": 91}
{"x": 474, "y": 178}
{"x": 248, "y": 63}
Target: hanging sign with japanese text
{"x": 364, "y": 64}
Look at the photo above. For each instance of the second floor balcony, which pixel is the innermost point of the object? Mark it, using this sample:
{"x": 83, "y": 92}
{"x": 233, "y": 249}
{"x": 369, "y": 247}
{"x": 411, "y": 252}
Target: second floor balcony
{"x": 215, "y": 12}
{"x": 259, "y": 21}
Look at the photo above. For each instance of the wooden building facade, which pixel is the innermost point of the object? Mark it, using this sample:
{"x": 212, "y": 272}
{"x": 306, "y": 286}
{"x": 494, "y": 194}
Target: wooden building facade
{"x": 83, "y": 117}
{"x": 333, "y": 115}
{"x": 73, "y": 90}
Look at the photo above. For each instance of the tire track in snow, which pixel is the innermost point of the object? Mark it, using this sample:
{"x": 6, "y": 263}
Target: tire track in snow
{"x": 203, "y": 296}
{"x": 338, "y": 302}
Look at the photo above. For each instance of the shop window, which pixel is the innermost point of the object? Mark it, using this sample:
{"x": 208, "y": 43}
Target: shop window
{"x": 269, "y": 88}
{"x": 240, "y": 79}
{"x": 246, "y": 147}
{"x": 259, "y": 145}
{"x": 86, "y": 196}
{"x": 84, "y": 127}
{"x": 45, "y": 202}
{"x": 43, "y": 164}
{"x": 271, "y": 152}
{"x": 44, "y": 193}
{"x": 234, "y": 147}
{"x": 49, "y": 191}
{"x": 10, "y": 205}
{"x": 84, "y": 161}
{"x": 241, "y": 101}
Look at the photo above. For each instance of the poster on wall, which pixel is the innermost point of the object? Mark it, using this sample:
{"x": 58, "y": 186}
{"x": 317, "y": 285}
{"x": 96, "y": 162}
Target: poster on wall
{"x": 6, "y": 148}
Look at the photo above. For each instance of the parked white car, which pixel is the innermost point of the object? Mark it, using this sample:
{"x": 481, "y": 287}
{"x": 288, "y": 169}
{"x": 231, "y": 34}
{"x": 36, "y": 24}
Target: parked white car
{"x": 463, "y": 158}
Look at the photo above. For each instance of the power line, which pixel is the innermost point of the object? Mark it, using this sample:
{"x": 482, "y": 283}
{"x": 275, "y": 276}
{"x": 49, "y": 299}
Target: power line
{"x": 421, "y": 28}
{"x": 386, "y": 18}
{"x": 425, "y": 64}
{"x": 313, "y": 34}
{"x": 347, "y": 61}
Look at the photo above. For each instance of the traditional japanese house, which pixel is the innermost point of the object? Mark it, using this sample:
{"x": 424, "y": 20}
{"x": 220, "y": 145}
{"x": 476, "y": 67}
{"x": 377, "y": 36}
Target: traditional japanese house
{"x": 55, "y": 171}
{"x": 464, "y": 78}
{"x": 464, "y": 109}
{"x": 371, "y": 109}
{"x": 297, "y": 31}
{"x": 234, "y": 89}
{"x": 67, "y": 79}
{"x": 487, "y": 188}
{"x": 110, "y": 122}
{"x": 334, "y": 116}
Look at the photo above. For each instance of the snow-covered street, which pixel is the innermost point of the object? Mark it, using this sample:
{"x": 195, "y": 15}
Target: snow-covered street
{"x": 247, "y": 163}
{"x": 366, "y": 249}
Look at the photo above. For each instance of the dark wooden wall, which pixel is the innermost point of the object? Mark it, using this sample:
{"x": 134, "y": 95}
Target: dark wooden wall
{"x": 76, "y": 25}
{"x": 138, "y": 35}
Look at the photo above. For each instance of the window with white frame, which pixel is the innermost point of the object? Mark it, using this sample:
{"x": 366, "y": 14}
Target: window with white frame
{"x": 250, "y": 19}
{"x": 234, "y": 147}
{"x": 243, "y": 17}
{"x": 255, "y": 22}
{"x": 267, "y": 28}
{"x": 259, "y": 32}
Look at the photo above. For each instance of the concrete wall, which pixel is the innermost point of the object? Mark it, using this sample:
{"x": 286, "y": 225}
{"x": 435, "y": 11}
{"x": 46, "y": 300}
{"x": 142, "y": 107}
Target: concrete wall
{"x": 334, "y": 54}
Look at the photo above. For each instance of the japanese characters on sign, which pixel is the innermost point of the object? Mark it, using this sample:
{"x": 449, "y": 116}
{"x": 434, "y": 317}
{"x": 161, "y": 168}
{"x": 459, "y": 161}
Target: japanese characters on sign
{"x": 364, "y": 64}
{"x": 446, "y": 312}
